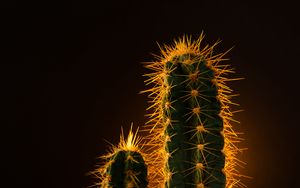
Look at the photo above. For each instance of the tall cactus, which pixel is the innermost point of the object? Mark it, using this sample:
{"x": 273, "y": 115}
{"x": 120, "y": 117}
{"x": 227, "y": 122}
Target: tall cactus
{"x": 191, "y": 140}
{"x": 125, "y": 166}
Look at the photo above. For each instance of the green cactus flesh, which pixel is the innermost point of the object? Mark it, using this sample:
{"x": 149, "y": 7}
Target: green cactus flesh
{"x": 193, "y": 126}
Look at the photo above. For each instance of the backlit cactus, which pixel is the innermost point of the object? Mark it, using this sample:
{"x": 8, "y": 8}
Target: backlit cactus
{"x": 191, "y": 140}
{"x": 125, "y": 166}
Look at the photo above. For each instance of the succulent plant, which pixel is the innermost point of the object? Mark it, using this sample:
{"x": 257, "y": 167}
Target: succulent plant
{"x": 191, "y": 141}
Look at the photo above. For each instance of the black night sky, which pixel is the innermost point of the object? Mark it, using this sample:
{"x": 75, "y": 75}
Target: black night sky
{"x": 71, "y": 73}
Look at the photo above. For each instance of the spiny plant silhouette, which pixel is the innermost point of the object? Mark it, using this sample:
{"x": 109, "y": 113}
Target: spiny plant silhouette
{"x": 124, "y": 165}
{"x": 191, "y": 140}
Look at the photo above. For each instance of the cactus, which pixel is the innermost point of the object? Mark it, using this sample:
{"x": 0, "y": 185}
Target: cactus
{"x": 125, "y": 166}
{"x": 191, "y": 141}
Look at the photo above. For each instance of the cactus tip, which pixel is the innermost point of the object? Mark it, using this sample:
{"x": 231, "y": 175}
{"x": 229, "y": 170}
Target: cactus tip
{"x": 132, "y": 143}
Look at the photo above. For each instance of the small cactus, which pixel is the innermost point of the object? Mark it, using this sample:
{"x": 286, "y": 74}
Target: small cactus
{"x": 191, "y": 139}
{"x": 125, "y": 166}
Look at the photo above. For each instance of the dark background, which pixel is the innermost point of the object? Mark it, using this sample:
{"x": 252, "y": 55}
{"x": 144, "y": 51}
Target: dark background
{"x": 71, "y": 74}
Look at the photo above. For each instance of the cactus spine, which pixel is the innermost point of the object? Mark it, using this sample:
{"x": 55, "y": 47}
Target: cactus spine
{"x": 191, "y": 138}
{"x": 125, "y": 166}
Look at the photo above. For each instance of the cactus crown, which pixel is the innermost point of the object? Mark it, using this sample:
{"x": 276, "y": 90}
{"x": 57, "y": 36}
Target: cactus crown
{"x": 191, "y": 142}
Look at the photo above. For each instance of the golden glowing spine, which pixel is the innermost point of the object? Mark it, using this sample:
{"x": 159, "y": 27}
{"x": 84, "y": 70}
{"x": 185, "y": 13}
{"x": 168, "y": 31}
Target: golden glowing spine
{"x": 156, "y": 126}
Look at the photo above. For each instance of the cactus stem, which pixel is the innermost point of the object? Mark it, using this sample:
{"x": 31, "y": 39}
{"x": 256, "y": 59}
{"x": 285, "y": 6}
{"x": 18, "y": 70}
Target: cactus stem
{"x": 190, "y": 89}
